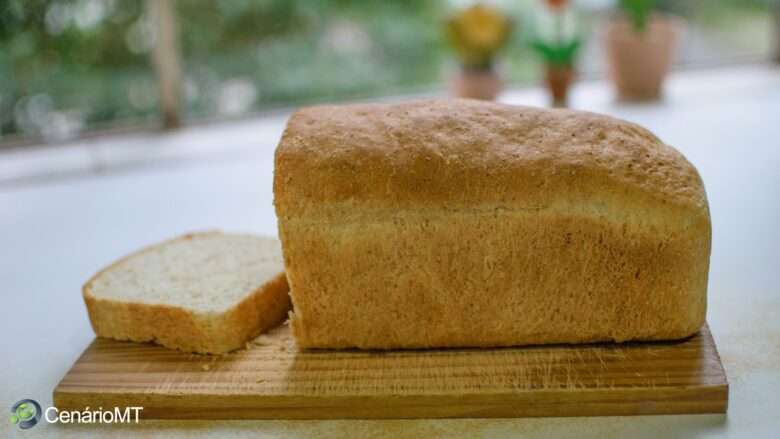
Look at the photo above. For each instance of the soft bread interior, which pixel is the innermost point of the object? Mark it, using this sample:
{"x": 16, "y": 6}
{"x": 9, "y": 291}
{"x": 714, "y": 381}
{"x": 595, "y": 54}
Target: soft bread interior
{"x": 205, "y": 272}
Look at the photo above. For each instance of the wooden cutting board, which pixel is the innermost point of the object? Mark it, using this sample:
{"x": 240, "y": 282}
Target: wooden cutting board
{"x": 272, "y": 379}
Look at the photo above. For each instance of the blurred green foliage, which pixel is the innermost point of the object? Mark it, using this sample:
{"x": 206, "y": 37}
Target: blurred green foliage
{"x": 304, "y": 51}
{"x": 68, "y": 52}
{"x": 92, "y": 55}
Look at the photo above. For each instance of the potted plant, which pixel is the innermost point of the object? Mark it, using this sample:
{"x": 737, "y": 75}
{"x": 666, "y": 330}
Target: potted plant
{"x": 558, "y": 48}
{"x": 477, "y": 34}
{"x": 639, "y": 46}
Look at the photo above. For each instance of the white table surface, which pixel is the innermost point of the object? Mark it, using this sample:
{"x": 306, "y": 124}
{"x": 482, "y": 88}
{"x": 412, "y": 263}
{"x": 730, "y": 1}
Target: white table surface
{"x": 56, "y": 232}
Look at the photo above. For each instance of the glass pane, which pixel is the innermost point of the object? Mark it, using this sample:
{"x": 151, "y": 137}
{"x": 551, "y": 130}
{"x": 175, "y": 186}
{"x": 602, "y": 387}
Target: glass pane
{"x": 245, "y": 55}
{"x": 67, "y": 66}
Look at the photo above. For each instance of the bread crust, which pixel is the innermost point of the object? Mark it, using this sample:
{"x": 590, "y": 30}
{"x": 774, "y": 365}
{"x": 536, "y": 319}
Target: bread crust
{"x": 182, "y": 329}
{"x": 466, "y": 153}
{"x": 445, "y": 223}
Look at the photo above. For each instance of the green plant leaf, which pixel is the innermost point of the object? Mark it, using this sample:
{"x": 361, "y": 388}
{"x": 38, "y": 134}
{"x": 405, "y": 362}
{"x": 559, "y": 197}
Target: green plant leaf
{"x": 638, "y": 12}
{"x": 557, "y": 54}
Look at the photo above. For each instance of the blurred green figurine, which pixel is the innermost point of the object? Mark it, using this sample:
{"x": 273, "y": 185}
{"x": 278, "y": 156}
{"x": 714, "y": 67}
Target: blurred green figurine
{"x": 477, "y": 34}
{"x": 558, "y": 43}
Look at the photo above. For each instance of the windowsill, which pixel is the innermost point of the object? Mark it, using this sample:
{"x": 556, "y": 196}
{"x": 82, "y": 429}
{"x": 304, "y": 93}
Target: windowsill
{"x": 248, "y": 138}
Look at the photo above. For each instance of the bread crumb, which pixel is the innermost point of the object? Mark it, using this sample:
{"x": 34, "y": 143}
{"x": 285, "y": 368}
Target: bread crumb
{"x": 206, "y": 366}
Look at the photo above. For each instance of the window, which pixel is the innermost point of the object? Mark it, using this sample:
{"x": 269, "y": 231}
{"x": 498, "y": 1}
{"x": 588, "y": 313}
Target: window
{"x": 72, "y": 66}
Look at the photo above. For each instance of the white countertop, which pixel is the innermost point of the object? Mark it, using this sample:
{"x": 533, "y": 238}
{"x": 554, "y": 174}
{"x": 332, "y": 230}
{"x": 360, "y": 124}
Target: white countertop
{"x": 58, "y": 230}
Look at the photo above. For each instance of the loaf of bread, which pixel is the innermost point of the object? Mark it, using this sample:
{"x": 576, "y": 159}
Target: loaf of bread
{"x": 208, "y": 292}
{"x": 446, "y": 223}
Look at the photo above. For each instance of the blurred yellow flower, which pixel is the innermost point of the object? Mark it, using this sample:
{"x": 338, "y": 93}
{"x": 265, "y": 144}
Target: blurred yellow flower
{"x": 477, "y": 33}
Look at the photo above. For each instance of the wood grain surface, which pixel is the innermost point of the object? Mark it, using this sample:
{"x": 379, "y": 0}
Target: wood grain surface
{"x": 273, "y": 379}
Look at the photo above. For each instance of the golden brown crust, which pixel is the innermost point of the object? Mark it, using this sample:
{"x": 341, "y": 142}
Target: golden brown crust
{"x": 465, "y": 153}
{"x": 463, "y": 223}
{"x": 182, "y": 329}
{"x": 508, "y": 278}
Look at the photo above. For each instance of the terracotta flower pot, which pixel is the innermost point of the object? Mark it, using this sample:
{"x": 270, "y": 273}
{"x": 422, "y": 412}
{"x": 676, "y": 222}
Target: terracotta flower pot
{"x": 482, "y": 84}
{"x": 638, "y": 61}
{"x": 558, "y": 80}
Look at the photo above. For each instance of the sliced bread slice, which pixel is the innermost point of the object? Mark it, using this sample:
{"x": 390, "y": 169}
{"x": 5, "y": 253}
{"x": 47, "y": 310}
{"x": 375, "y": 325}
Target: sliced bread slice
{"x": 206, "y": 292}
